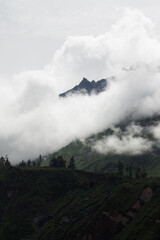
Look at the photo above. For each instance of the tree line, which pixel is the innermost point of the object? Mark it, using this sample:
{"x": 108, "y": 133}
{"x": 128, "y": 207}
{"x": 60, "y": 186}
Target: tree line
{"x": 59, "y": 162}
{"x": 4, "y": 161}
{"x": 55, "y": 162}
{"x": 130, "y": 171}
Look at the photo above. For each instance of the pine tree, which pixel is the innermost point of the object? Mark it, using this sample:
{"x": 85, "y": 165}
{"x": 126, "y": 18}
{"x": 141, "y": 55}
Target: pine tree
{"x": 2, "y": 161}
{"x": 143, "y": 173}
{"x": 28, "y": 163}
{"x": 120, "y": 168}
{"x": 138, "y": 173}
{"x": 7, "y": 163}
{"x": 130, "y": 171}
{"x": 57, "y": 162}
{"x": 22, "y": 164}
{"x": 72, "y": 163}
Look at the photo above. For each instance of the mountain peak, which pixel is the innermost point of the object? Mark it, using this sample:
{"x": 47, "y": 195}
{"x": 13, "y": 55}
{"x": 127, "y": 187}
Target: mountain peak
{"x": 84, "y": 80}
{"x": 84, "y": 83}
{"x": 87, "y": 87}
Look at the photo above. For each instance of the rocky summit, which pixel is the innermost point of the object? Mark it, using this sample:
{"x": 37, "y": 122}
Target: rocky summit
{"x": 87, "y": 87}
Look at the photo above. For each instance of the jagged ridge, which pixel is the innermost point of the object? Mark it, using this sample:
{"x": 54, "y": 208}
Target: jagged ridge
{"x": 87, "y": 87}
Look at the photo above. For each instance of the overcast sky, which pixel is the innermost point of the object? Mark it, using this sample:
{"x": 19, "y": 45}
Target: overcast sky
{"x": 32, "y": 30}
{"x": 47, "y": 47}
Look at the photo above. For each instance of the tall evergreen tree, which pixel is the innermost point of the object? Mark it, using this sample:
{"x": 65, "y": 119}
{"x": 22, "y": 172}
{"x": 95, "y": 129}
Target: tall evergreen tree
{"x": 22, "y": 164}
{"x": 28, "y": 163}
{"x": 138, "y": 173}
{"x": 130, "y": 171}
{"x": 72, "y": 163}
{"x": 57, "y": 162}
{"x": 7, "y": 163}
{"x": 120, "y": 168}
{"x": 143, "y": 173}
{"x": 2, "y": 161}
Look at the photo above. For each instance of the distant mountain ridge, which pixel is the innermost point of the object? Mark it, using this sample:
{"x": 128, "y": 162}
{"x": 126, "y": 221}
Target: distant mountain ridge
{"x": 87, "y": 87}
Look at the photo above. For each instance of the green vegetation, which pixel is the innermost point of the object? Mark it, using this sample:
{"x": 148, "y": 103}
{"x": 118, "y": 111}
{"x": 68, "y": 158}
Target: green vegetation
{"x": 89, "y": 160}
{"x": 86, "y": 158}
{"x": 77, "y": 193}
{"x": 57, "y": 203}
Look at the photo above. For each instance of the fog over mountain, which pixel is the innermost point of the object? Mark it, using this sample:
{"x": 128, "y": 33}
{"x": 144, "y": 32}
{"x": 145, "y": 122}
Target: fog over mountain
{"x": 129, "y": 142}
{"x": 35, "y": 120}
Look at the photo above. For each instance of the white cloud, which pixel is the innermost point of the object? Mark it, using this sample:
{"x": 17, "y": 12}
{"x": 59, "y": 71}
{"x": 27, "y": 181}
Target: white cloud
{"x": 130, "y": 41}
{"x": 155, "y": 130}
{"x": 124, "y": 143}
{"x": 34, "y": 120}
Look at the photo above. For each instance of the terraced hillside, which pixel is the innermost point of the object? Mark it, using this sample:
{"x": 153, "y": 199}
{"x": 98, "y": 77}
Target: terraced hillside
{"x": 47, "y": 204}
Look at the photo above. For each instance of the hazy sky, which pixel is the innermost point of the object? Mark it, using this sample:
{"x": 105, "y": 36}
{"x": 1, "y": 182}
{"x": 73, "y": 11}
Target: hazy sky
{"x": 31, "y": 30}
{"x": 48, "y": 46}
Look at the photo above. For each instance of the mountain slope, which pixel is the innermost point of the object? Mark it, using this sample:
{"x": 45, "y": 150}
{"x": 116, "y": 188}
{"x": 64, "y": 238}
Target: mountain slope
{"x": 87, "y": 158}
{"x": 47, "y": 204}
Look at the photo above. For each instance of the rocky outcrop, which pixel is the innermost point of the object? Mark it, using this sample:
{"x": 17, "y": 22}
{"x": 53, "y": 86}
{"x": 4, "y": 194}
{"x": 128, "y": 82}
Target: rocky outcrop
{"x": 144, "y": 197}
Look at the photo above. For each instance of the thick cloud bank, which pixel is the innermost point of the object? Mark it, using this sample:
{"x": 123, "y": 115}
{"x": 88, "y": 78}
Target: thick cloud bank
{"x": 128, "y": 142}
{"x": 35, "y": 121}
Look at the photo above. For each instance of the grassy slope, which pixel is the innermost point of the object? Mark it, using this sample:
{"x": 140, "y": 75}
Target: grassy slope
{"x": 45, "y": 204}
{"x": 85, "y": 218}
{"x": 27, "y": 196}
{"x": 87, "y": 159}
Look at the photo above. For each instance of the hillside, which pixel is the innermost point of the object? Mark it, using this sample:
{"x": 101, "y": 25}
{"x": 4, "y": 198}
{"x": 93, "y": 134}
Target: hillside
{"x": 47, "y": 204}
{"x": 87, "y": 158}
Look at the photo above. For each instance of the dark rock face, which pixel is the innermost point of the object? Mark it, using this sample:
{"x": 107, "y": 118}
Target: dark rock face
{"x": 87, "y": 87}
